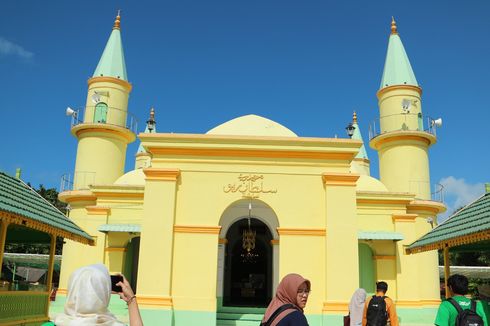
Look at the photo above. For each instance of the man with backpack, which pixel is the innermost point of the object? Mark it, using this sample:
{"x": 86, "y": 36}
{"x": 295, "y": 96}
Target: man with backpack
{"x": 459, "y": 310}
{"x": 380, "y": 310}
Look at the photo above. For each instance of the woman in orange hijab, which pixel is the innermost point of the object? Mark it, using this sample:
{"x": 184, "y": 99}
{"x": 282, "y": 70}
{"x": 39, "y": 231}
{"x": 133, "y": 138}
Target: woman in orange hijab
{"x": 286, "y": 309}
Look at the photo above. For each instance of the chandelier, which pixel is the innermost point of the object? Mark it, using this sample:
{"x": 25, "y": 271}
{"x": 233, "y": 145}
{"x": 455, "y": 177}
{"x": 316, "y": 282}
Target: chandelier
{"x": 248, "y": 240}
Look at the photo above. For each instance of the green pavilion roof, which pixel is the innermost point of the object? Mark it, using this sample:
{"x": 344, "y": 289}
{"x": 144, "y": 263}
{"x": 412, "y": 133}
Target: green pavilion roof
{"x": 397, "y": 70}
{"x": 112, "y": 63}
{"x": 379, "y": 235}
{"x": 25, "y": 207}
{"x": 133, "y": 228}
{"x": 466, "y": 229}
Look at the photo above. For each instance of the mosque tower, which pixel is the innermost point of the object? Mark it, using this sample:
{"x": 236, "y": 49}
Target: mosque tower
{"x": 106, "y": 129}
{"x": 360, "y": 164}
{"x": 401, "y": 136}
{"x": 143, "y": 158}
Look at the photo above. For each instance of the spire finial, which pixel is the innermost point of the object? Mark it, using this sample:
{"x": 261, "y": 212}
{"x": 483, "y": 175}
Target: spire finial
{"x": 393, "y": 26}
{"x": 150, "y": 124}
{"x": 117, "y": 22}
{"x": 354, "y": 118}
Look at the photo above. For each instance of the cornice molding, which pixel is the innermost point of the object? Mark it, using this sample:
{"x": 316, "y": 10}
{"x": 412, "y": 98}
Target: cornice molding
{"x": 321, "y": 232}
{"x": 107, "y": 79}
{"x": 408, "y": 218}
{"x": 340, "y": 179}
{"x": 157, "y": 174}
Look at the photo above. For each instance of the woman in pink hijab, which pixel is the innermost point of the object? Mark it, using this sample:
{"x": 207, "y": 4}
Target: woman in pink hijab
{"x": 286, "y": 309}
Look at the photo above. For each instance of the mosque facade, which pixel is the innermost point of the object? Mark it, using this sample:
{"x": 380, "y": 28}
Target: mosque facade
{"x": 206, "y": 225}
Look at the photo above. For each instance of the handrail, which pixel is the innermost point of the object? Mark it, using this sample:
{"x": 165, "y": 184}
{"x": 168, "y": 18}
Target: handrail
{"x": 402, "y": 122}
{"x": 114, "y": 117}
{"x": 83, "y": 180}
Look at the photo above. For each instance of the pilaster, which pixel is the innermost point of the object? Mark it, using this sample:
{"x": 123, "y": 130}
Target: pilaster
{"x": 341, "y": 216}
{"x": 157, "y": 239}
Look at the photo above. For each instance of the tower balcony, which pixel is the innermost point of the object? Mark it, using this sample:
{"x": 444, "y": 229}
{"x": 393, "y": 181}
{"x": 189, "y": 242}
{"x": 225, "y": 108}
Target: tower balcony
{"x": 77, "y": 181}
{"x": 436, "y": 190}
{"x": 104, "y": 115}
{"x": 400, "y": 122}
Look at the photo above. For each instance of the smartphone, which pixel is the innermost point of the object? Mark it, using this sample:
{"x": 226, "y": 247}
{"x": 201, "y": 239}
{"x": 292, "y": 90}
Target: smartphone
{"x": 114, "y": 280}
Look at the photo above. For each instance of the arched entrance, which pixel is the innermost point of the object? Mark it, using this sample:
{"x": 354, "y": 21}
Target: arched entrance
{"x": 366, "y": 268}
{"x": 243, "y": 282}
{"x": 248, "y": 274}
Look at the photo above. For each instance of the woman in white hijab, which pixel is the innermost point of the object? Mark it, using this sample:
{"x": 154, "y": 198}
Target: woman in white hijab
{"x": 356, "y": 307}
{"x": 89, "y": 293}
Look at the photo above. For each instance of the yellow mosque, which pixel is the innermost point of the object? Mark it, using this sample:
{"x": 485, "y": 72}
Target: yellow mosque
{"x": 206, "y": 225}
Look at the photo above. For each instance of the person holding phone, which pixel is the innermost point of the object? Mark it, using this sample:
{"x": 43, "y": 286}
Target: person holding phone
{"x": 89, "y": 293}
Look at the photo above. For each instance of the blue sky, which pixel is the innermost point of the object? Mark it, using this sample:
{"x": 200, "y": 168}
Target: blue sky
{"x": 304, "y": 64}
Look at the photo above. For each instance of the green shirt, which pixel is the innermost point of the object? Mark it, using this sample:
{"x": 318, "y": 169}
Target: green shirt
{"x": 446, "y": 315}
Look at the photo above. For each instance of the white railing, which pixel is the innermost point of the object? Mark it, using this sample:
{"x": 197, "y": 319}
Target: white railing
{"x": 114, "y": 117}
{"x": 79, "y": 181}
{"x": 402, "y": 122}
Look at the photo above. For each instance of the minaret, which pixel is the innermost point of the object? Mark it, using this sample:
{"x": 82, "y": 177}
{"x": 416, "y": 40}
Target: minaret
{"x": 400, "y": 136}
{"x": 105, "y": 130}
{"x": 360, "y": 164}
{"x": 143, "y": 158}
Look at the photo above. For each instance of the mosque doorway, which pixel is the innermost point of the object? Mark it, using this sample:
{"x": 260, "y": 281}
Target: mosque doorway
{"x": 248, "y": 264}
{"x": 366, "y": 268}
{"x": 131, "y": 262}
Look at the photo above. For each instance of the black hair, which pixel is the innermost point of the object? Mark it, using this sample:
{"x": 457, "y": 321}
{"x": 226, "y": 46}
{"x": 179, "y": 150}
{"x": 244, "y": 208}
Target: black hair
{"x": 381, "y": 286}
{"x": 458, "y": 284}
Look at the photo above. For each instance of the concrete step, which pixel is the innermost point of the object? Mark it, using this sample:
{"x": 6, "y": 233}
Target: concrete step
{"x": 238, "y": 319}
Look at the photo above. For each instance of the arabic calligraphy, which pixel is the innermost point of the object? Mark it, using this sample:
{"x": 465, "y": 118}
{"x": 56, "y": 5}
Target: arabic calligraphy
{"x": 249, "y": 185}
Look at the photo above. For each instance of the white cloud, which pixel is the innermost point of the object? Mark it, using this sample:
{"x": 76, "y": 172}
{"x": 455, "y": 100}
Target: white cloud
{"x": 458, "y": 193}
{"x": 9, "y": 48}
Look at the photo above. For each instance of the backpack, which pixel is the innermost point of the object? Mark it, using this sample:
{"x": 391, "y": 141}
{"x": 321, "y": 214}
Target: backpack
{"x": 277, "y": 312}
{"x": 467, "y": 317}
{"x": 376, "y": 314}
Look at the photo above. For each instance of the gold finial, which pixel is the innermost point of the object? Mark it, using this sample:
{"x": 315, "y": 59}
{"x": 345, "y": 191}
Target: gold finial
{"x": 117, "y": 22}
{"x": 151, "y": 123}
{"x": 393, "y": 26}
{"x": 354, "y": 117}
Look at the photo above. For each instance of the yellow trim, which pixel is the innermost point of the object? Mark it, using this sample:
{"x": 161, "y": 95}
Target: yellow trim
{"x": 161, "y": 174}
{"x": 14, "y": 293}
{"x": 32, "y": 224}
{"x": 360, "y": 159}
{"x": 417, "y": 303}
{"x": 458, "y": 241}
{"x": 409, "y": 218}
{"x": 397, "y": 87}
{"x": 154, "y": 301}
{"x": 246, "y": 139}
{"x": 118, "y": 131}
{"x": 274, "y": 242}
{"x": 98, "y": 210}
{"x": 106, "y": 79}
{"x": 61, "y": 291}
{"x": 335, "y": 306}
{"x": 116, "y": 194}
{"x": 77, "y": 196}
{"x": 222, "y": 241}
{"x": 260, "y": 153}
{"x": 115, "y": 249}
{"x": 432, "y": 207}
{"x": 340, "y": 179}
{"x": 422, "y": 137}
{"x": 384, "y": 257}
{"x": 297, "y": 231}
{"x": 197, "y": 229}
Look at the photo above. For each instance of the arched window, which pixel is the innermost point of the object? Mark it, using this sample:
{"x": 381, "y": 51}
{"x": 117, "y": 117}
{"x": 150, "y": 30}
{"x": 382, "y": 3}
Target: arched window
{"x": 100, "y": 114}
